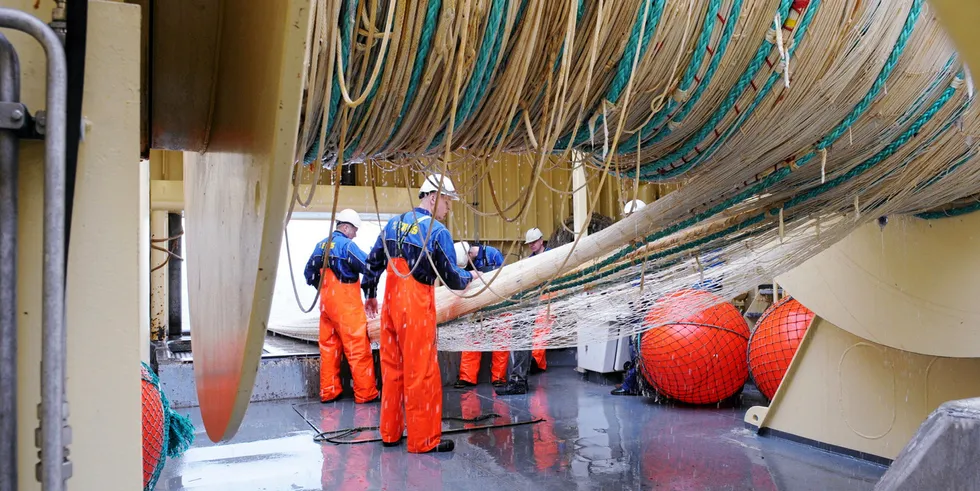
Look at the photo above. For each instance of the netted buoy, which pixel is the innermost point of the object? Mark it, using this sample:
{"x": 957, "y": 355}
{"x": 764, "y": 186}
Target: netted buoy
{"x": 775, "y": 341}
{"x": 692, "y": 353}
{"x": 165, "y": 433}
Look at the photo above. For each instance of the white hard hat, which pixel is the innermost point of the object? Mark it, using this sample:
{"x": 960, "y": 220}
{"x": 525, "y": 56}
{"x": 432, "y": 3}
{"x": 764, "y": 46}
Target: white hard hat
{"x": 634, "y": 205}
{"x": 462, "y": 253}
{"x": 532, "y": 235}
{"x": 432, "y": 184}
{"x": 349, "y": 216}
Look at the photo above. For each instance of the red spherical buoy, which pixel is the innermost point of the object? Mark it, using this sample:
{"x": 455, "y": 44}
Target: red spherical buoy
{"x": 165, "y": 432}
{"x": 154, "y": 436}
{"x": 694, "y": 350}
{"x": 776, "y": 338}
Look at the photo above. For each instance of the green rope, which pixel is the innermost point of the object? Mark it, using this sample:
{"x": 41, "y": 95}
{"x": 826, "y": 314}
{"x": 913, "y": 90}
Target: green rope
{"x": 888, "y": 151}
{"x": 733, "y": 95}
{"x": 660, "y": 175}
{"x": 624, "y": 67}
{"x": 692, "y": 68}
{"x": 846, "y": 123}
{"x": 421, "y": 58}
{"x": 879, "y": 84}
{"x": 492, "y": 36}
{"x": 921, "y": 149}
{"x": 950, "y": 212}
{"x": 346, "y": 38}
{"x": 869, "y": 163}
{"x": 780, "y": 174}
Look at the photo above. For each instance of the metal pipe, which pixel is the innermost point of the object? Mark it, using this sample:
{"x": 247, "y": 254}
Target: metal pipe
{"x": 176, "y": 226}
{"x": 9, "y": 147}
{"x": 53, "y": 343}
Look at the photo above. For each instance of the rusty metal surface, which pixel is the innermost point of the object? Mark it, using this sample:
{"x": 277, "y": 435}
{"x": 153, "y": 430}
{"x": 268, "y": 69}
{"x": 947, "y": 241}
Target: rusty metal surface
{"x": 184, "y": 40}
{"x": 145, "y": 10}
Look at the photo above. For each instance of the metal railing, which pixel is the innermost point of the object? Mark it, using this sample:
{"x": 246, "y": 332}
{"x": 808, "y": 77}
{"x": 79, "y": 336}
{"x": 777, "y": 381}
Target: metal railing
{"x": 54, "y": 434}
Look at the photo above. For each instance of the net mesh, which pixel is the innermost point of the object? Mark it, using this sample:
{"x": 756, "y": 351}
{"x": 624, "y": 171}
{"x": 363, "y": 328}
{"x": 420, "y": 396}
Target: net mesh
{"x": 700, "y": 358}
{"x": 786, "y": 125}
{"x": 154, "y": 434}
{"x": 165, "y": 433}
{"x": 774, "y": 342}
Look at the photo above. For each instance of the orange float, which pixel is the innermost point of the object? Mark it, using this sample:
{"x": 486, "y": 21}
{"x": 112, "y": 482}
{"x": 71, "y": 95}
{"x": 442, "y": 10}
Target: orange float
{"x": 774, "y": 343}
{"x": 165, "y": 433}
{"x": 691, "y": 353}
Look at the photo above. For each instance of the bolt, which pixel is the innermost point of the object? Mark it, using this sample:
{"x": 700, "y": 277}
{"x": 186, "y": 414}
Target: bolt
{"x": 16, "y": 115}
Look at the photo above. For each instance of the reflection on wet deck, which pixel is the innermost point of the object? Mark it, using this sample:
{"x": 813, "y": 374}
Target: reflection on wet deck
{"x": 588, "y": 440}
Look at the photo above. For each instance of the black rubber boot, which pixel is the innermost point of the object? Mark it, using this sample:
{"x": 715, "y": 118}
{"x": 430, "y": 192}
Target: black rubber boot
{"x": 622, "y": 392}
{"x": 443, "y": 446}
{"x": 392, "y": 444}
{"x": 463, "y": 383}
{"x": 512, "y": 388}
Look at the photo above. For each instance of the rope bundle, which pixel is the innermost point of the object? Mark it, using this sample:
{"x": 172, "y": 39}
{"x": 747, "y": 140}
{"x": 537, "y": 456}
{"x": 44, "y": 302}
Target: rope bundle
{"x": 786, "y": 122}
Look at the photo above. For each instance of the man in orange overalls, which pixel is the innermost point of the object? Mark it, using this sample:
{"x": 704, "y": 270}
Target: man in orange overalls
{"x": 484, "y": 259}
{"x": 343, "y": 325}
{"x": 534, "y": 240}
{"x": 520, "y": 361}
{"x": 414, "y": 242}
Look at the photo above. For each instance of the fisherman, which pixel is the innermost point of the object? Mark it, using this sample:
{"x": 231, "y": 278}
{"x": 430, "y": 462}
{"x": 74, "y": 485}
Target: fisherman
{"x": 631, "y": 382}
{"x": 343, "y": 324}
{"x": 520, "y": 361}
{"x": 414, "y": 241}
{"x": 482, "y": 258}
{"x": 535, "y": 242}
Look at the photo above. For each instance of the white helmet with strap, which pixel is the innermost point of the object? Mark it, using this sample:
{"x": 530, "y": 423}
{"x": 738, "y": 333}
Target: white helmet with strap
{"x": 462, "y": 253}
{"x": 432, "y": 184}
{"x": 533, "y": 235}
{"x": 349, "y": 216}
{"x": 634, "y": 205}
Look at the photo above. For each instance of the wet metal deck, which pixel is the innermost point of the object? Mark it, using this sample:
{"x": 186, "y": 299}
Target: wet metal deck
{"x": 589, "y": 440}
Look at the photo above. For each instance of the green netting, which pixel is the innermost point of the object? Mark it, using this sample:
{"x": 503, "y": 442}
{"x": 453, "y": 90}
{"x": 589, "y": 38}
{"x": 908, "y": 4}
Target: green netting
{"x": 165, "y": 432}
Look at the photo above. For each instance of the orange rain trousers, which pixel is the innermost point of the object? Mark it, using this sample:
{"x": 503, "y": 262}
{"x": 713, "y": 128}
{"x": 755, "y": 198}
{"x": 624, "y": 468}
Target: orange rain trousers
{"x": 343, "y": 331}
{"x": 409, "y": 364}
{"x": 542, "y": 327}
{"x": 469, "y": 366}
{"x": 469, "y": 363}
